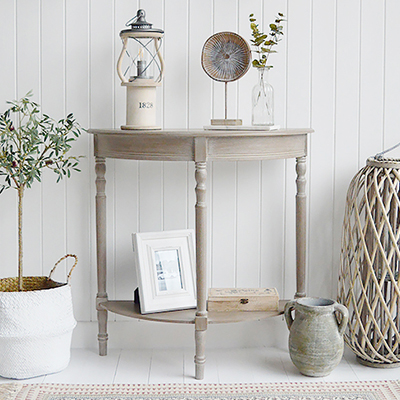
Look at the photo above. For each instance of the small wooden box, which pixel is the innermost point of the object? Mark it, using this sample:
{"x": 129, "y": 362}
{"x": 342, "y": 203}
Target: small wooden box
{"x": 265, "y": 299}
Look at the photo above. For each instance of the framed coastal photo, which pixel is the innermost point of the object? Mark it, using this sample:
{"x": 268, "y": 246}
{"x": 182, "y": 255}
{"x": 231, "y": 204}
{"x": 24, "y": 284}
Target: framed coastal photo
{"x": 165, "y": 267}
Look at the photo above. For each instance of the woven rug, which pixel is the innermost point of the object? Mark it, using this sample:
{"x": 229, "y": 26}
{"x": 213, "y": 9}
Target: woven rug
{"x": 382, "y": 390}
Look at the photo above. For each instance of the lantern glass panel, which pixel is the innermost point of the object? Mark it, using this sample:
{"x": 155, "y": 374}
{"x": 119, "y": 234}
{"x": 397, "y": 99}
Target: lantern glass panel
{"x": 141, "y": 61}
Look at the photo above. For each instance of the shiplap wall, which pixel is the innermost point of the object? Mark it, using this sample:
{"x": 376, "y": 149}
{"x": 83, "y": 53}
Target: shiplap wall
{"x": 337, "y": 71}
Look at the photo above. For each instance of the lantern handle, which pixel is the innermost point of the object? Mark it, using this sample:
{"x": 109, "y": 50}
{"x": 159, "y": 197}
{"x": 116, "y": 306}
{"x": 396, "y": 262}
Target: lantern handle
{"x": 119, "y": 62}
{"x": 140, "y": 13}
{"x": 157, "y": 44}
{"x": 379, "y": 156}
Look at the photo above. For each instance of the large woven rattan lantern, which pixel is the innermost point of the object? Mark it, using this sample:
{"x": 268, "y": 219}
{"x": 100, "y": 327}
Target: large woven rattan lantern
{"x": 369, "y": 278}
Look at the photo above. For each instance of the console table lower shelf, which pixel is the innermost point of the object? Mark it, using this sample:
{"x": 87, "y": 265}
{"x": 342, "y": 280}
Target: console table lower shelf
{"x": 131, "y": 309}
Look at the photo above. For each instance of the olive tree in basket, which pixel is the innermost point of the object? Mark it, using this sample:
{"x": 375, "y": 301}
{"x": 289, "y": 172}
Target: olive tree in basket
{"x": 36, "y": 313}
{"x": 29, "y": 143}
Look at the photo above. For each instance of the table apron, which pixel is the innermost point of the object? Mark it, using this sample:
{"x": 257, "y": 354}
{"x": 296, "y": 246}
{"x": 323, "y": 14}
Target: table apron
{"x": 144, "y": 148}
{"x": 176, "y": 148}
{"x": 256, "y": 148}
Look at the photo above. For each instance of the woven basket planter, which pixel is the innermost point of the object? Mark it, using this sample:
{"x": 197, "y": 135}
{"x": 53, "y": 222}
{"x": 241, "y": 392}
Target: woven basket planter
{"x": 369, "y": 277}
{"x": 35, "y": 326}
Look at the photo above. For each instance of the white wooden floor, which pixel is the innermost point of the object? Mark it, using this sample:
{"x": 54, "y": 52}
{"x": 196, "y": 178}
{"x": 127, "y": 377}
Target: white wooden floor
{"x": 250, "y": 365}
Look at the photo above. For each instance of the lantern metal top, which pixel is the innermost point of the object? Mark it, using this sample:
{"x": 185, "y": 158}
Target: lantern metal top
{"x": 138, "y": 24}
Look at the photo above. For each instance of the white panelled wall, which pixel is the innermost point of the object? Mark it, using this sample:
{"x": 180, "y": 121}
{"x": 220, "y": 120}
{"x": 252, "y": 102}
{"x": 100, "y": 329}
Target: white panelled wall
{"x": 336, "y": 71}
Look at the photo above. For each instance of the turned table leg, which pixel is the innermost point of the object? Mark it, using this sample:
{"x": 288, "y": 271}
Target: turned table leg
{"x": 201, "y": 267}
{"x": 301, "y": 200}
{"x": 101, "y": 253}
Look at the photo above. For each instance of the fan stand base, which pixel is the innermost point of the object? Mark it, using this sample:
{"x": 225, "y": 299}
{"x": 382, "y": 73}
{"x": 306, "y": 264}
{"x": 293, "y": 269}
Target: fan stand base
{"x": 226, "y": 122}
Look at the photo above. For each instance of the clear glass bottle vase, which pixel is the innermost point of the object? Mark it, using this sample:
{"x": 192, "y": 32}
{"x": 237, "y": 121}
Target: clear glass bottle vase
{"x": 263, "y": 100}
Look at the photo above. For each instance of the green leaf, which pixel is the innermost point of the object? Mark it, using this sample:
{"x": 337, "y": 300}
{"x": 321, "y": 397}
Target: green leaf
{"x": 268, "y": 50}
{"x": 259, "y": 41}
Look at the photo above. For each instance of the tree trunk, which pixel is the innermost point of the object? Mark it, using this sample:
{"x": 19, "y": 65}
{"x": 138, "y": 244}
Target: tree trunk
{"x": 20, "y": 268}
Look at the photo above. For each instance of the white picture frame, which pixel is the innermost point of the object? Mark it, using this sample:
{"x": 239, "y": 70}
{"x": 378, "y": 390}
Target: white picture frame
{"x": 165, "y": 268}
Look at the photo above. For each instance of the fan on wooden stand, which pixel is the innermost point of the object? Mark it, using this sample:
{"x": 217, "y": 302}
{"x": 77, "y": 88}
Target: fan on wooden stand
{"x": 226, "y": 57}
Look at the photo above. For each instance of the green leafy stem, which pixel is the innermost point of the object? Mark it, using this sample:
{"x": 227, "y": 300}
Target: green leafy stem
{"x": 264, "y": 42}
{"x": 33, "y": 143}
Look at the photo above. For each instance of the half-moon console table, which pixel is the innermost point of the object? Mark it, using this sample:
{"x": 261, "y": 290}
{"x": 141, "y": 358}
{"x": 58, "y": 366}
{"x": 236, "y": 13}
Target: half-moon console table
{"x": 198, "y": 146}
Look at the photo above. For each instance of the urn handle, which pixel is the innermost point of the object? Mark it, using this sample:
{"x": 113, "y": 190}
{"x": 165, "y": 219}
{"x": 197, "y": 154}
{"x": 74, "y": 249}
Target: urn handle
{"x": 345, "y": 317}
{"x": 289, "y": 306}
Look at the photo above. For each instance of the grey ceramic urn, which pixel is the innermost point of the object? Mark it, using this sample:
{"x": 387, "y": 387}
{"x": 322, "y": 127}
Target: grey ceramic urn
{"x": 316, "y": 336}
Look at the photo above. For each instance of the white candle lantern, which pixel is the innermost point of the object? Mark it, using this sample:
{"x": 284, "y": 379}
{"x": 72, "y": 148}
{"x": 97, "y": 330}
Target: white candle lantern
{"x": 140, "y": 67}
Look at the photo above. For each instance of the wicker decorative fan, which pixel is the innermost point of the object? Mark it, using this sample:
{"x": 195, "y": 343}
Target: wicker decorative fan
{"x": 225, "y": 57}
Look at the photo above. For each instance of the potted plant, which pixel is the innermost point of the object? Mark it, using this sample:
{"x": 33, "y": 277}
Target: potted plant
{"x": 35, "y": 312}
{"x": 263, "y": 92}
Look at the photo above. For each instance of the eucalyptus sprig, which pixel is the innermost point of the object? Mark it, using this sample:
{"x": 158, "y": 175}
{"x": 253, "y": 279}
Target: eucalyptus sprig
{"x": 29, "y": 143}
{"x": 264, "y": 42}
